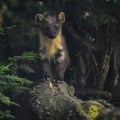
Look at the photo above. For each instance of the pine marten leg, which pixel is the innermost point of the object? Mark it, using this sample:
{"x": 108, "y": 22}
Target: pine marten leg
{"x": 62, "y": 62}
{"x": 59, "y": 71}
{"x": 46, "y": 70}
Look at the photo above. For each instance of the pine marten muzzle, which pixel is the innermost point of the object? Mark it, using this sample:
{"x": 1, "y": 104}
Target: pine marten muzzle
{"x": 50, "y": 24}
{"x": 53, "y": 51}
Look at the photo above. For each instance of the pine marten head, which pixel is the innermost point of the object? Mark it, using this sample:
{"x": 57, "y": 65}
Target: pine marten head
{"x": 50, "y": 24}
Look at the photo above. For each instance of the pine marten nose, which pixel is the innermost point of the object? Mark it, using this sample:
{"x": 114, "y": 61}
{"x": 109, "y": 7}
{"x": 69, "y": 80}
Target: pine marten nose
{"x": 52, "y": 30}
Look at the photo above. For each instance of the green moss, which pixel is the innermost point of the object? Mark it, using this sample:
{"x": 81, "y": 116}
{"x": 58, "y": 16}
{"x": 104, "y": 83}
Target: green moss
{"x": 92, "y": 109}
{"x": 80, "y": 110}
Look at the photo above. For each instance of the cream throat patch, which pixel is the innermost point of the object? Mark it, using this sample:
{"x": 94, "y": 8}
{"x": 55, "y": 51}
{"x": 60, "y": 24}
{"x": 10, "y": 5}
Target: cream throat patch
{"x": 50, "y": 46}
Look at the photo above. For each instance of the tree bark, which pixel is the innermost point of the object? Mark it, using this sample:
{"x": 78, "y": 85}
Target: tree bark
{"x": 51, "y": 101}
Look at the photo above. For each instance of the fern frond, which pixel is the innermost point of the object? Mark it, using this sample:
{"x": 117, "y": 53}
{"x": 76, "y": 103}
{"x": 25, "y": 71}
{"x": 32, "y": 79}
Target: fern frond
{"x": 5, "y": 114}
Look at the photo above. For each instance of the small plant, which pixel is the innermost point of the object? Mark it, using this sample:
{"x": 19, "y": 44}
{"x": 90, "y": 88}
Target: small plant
{"x": 11, "y": 84}
{"x": 2, "y": 29}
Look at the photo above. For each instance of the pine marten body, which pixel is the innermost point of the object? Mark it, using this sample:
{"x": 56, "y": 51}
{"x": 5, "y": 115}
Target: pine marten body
{"x": 53, "y": 50}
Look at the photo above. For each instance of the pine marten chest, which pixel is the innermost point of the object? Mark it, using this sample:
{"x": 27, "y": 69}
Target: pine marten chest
{"x": 50, "y": 47}
{"x": 51, "y": 43}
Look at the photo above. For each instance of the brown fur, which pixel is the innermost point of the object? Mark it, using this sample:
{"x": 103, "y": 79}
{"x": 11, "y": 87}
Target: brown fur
{"x": 53, "y": 50}
{"x": 51, "y": 46}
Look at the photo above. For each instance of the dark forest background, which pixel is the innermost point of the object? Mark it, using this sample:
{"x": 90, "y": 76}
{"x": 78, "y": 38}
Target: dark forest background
{"x": 92, "y": 31}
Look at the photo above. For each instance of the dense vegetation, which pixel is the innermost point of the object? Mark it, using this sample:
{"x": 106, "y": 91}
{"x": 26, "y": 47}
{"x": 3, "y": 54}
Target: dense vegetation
{"x": 93, "y": 23}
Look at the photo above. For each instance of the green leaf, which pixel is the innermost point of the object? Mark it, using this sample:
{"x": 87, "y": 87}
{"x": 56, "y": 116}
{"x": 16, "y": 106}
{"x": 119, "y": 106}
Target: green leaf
{"x": 5, "y": 114}
{"x": 6, "y": 100}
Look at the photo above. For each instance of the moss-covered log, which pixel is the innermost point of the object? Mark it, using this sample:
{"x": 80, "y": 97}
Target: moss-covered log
{"x": 57, "y": 102}
{"x": 109, "y": 115}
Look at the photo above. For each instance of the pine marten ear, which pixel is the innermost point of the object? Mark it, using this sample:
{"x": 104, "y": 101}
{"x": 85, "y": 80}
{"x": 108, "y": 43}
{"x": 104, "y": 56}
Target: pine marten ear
{"x": 39, "y": 18}
{"x": 61, "y": 17}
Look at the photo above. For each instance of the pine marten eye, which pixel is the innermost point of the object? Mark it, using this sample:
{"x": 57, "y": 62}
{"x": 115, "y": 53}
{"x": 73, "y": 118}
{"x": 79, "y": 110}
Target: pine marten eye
{"x": 56, "y": 26}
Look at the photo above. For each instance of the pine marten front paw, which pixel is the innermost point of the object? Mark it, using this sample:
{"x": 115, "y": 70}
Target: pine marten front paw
{"x": 50, "y": 79}
{"x": 59, "y": 81}
{"x": 46, "y": 79}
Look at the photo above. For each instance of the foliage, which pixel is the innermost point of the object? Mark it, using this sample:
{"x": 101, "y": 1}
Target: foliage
{"x": 26, "y": 56}
{"x": 23, "y": 35}
{"x": 15, "y": 40}
{"x": 10, "y": 85}
{"x": 92, "y": 14}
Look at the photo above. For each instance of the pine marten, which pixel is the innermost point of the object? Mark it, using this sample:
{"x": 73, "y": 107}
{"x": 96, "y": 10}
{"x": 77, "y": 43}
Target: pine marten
{"x": 53, "y": 51}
